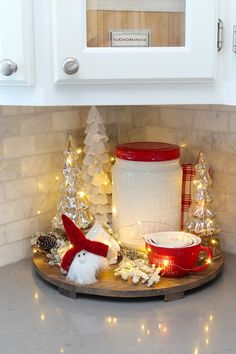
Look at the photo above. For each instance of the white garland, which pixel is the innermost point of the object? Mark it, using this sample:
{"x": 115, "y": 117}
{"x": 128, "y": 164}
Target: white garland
{"x": 138, "y": 270}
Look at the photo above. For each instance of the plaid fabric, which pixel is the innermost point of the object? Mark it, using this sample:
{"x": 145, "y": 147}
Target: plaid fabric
{"x": 186, "y": 199}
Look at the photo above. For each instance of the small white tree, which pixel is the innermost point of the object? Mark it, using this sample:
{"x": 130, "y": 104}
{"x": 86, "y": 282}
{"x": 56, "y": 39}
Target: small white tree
{"x": 96, "y": 167}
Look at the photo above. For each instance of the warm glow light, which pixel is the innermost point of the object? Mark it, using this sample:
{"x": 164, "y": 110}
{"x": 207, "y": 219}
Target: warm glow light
{"x": 114, "y": 320}
{"x": 142, "y": 327}
{"x": 209, "y": 261}
{"x": 112, "y": 159}
{"x": 139, "y": 340}
{"x": 38, "y": 212}
{"x": 165, "y": 329}
{"x": 160, "y": 326}
{"x": 109, "y": 320}
{"x": 166, "y": 262}
{"x": 114, "y": 210}
{"x": 42, "y": 317}
{"x": 206, "y": 328}
{"x": 149, "y": 249}
{"x": 34, "y": 251}
{"x": 211, "y": 318}
{"x": 57, "y": 178}
{"x": 213, "y": 241}
{"x": 36, "y": 296}
{"x": 148, "y": 332}
{"x": 81, "y": 194}
{"x": 207, "y": 341}
{"x": 62, "y": 350}
{"x": 196, "y": 351}
{"x": 79, "y": 151}
{"x": 183, "y": 145}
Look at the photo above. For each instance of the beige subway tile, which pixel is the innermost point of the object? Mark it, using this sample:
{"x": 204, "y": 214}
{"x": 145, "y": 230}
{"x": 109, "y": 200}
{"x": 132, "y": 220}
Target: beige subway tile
{"x": 231, "y": 164}
{"x": 176, "y": 118}
{"x": 142, "y": 116}
{"x": 22, "y": 229}
{"x": 65, "y": 120}
{"x": 21, "y": 188}
{"x": 194, "y": 138}
{"x": 11, "y": 253}
{"x": 16, "y": 110}
{"x": 217, "y": 161}
{"x": 18, "y": 146}
{"x": 2, "y": 193}
{"x": 50, "y": 142}
{"x": 9, "y": 126}
{"x": 35, "y": 124}
{"x": 231, "y": 204}
{"x": 129, "y": 133}
{"x": 165, "y": 135}
{"x": 3, "y": 235}
{"x": 44, "y": 220}
{"x": 125, "y": 115}
{"x": 227, "y": 222}
{"x": 225, "y": 183}
{"x": 49, "y": 182}
{"x": 232, "y": 122}
{"x": 57, "y": 162}
{"x": 9, "y": 170}
{"x": 36, "y": 165}
{"x": 219, "y": 201}
{"x": 15, "y": 210}
{"x": 211, "y": 121}
{"x": 223, "y": 142}
{"x": 45, "y": 203}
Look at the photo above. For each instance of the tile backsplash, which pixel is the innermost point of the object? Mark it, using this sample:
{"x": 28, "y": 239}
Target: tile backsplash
{"x": 32, "y": 140}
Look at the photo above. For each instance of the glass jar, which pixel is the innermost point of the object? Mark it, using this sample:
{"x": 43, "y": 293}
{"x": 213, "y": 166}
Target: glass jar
{"x": 147, "y": 186}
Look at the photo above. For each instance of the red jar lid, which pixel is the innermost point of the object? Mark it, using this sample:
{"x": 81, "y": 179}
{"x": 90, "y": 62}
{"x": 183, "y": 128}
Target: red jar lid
{"x": 148, "y": 151}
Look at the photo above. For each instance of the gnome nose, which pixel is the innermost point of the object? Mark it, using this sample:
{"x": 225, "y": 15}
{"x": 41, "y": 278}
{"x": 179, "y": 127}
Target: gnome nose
{"x": 82, "y": 257}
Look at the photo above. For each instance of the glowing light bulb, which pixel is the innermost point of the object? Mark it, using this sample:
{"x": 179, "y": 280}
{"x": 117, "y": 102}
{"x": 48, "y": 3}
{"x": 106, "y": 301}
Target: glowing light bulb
{"x": 149, "y": 249}
{"x": 165, "y": 262}
{"x": 148, "y": 332}
{"x": 183, "y": 145}
{"x": 209, "y": 261}
{"x": 114, "y": 320}
{"x": 36, "y": 296}
{"x": 81, "y": 194}
{"x": 160, "y": 326}
{"x": 196, "y": 351}
{"x": 206, "y": 328}
{"x": 207, "y": 341}
{"x": 165, "y": 329}
{"x": 114, "y": 210}
{"x": 34, "y": 251}
{"x": 142, "y": 327}
{"x": 62, "y": 350}
{"x": 57, "y": 178}
{"x": 211, "y": 318}
{"x": 79, "y": 151}
{"x": 38, "y": 212}
{"x": 139, "y": 340}
{"x": 42, "y": 317}
{"x": 112, "y": 159}
{"x": 213, "y": 241}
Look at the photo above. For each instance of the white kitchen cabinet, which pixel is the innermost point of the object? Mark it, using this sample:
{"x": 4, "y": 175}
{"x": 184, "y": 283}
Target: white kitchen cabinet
{"x": 16, "y": 43}
{"x": 79, "y": 25}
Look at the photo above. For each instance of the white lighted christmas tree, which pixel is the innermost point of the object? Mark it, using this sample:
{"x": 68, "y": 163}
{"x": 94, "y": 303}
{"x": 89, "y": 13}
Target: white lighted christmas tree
{"x": 74, "y": 201}
{"x": 202, "y": 219}
{"x": 97, "y": 166}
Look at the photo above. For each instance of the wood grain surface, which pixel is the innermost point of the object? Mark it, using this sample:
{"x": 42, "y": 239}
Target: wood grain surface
{"x": 110, "y": 286}
{"x": 167, "y": 28}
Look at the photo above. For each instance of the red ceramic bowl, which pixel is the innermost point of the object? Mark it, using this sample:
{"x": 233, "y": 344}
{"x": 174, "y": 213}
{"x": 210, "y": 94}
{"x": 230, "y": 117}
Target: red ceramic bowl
{"x": 177, "y": 262}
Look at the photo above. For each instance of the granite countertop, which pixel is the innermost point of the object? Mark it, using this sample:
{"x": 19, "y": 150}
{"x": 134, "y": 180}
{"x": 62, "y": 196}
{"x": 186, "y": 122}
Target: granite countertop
{"x": 35, "y": 318}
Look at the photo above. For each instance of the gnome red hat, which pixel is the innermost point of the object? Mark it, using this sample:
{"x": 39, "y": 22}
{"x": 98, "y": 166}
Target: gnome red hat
{"x": 79, "y": 243}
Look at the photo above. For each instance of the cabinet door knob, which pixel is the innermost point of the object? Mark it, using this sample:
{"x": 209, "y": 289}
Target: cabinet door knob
{"x": 70, "y": 66}
{"x": 7, "y": 67}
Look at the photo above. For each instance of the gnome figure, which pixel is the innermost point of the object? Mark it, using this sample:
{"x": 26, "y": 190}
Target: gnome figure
{"x": 85, "y": 258}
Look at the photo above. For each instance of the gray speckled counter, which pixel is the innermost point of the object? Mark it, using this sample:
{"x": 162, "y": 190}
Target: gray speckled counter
{"x": 35, "y": 318}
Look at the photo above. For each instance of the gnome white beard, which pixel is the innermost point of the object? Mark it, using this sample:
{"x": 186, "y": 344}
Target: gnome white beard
{"x": 85, "y": 266}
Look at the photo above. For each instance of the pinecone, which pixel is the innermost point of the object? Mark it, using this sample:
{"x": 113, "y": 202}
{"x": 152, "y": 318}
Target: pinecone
{"x": 46, "y": 243}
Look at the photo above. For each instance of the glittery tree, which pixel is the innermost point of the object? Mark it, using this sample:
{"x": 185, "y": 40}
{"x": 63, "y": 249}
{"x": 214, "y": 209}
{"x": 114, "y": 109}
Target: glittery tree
{"x": 74, "y": 200}
{"x": 96, "y": 167}
{"x": 202, "y": 219}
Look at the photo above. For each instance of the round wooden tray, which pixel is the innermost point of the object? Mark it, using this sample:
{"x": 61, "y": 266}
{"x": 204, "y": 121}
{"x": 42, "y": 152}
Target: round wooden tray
{"x": 110, "y": 286}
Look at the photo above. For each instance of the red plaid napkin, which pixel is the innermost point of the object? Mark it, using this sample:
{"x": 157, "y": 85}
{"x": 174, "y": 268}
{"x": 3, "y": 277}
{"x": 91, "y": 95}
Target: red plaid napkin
{"x": 186, "y": 199}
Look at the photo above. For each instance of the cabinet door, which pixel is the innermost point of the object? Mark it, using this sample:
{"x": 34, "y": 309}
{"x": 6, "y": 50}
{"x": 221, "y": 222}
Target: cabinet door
{"x": 16, "y": 42}
{"x": 178, "y": 40}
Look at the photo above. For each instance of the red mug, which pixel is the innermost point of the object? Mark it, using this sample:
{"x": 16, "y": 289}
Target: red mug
{"x": 178, "y": 262}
